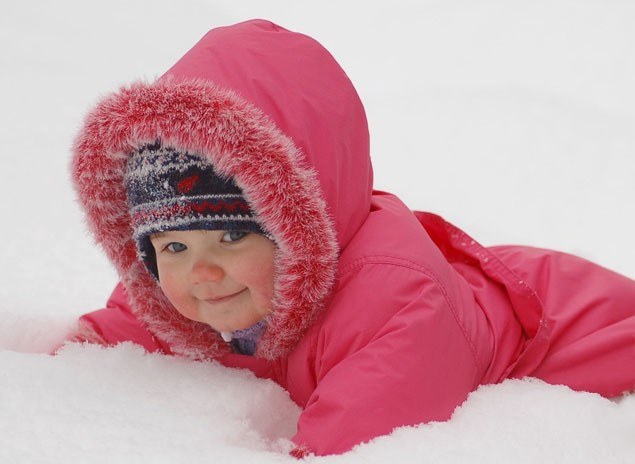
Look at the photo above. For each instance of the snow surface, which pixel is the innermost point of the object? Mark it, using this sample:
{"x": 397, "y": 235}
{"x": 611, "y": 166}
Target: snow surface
{"x": 513, "y": 119}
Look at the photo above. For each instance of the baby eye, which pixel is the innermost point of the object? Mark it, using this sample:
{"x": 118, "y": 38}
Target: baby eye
{"x": 233, "y": 235}
{"x": 175, "y": 247}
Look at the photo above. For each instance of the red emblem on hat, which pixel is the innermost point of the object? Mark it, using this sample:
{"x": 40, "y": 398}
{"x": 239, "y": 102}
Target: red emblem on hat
{"x": 187, "y": 184}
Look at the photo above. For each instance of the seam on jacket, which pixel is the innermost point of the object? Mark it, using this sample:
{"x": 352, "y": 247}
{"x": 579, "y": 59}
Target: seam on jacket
{"x": 359, "y": 263}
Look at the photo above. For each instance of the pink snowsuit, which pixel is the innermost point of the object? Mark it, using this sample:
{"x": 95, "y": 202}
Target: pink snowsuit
{"x": 383, "y": 317}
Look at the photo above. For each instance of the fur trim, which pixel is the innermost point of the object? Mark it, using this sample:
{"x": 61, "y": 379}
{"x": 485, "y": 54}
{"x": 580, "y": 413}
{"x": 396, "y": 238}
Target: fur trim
{"x": 243, "y": 143}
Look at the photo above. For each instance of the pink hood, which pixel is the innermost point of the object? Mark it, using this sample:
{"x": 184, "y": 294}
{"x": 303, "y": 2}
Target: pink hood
{"x": 270, "y": 108}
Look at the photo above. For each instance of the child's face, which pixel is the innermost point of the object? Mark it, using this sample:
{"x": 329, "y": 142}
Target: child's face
{"x": 221, "y": 278}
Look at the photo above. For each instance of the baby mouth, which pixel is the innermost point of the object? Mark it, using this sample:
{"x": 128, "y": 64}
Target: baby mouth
{"x": 222, "y": 299}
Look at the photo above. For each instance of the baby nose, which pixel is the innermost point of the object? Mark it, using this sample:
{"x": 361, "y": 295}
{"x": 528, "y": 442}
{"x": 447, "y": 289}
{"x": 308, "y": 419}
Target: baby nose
{"x": 206, "y": 271}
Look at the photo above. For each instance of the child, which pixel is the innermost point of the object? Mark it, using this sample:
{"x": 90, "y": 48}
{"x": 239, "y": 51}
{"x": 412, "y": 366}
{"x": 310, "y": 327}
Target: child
{"x": 234, "y": 196}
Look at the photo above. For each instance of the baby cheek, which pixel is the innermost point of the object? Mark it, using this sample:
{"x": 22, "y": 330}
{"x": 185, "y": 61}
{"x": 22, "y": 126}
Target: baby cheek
{"x": 262, "y": 287}
{"x": 175, "y": 292}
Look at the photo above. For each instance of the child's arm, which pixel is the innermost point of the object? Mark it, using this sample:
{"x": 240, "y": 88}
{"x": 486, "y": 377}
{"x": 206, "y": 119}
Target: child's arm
{"x": 115, "y": 324}
{"x": 414, "y": 363}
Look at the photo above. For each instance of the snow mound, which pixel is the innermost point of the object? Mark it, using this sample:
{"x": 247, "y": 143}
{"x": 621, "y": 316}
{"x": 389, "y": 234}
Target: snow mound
{"x": 519, "y": 421}
{"x": 92, "y": 404}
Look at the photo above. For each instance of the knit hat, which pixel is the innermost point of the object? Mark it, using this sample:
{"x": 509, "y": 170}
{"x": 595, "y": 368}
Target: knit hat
{"x": 175, "y": 190}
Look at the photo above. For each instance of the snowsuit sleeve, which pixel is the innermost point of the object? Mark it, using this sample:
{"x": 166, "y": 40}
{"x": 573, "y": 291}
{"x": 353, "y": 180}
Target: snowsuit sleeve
{"x": 399, "y": 356}
{"x": 115, "y": 324}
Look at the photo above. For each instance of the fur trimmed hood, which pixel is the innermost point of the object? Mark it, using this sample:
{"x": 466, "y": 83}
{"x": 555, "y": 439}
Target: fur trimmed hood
{"x": 271, "y": 109}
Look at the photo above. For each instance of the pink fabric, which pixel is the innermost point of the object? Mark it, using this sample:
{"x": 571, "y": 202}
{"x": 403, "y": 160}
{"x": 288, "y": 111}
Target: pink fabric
{"x": 116, "y": 323}
{"x": 590, "y": 314}
{"x": 418, "y": 315}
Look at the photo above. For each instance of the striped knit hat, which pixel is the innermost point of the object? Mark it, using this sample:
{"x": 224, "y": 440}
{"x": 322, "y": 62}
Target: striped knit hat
{"x": 172, "y": 190}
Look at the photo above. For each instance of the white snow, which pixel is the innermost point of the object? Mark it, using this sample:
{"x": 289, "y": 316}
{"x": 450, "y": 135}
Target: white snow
{"x": 91, "y": 404}
{"x": 513, "y": 119}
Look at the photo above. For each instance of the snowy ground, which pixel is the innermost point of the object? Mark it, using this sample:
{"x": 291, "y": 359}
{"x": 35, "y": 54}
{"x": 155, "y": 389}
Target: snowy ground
{"x": 513, "y": 119}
